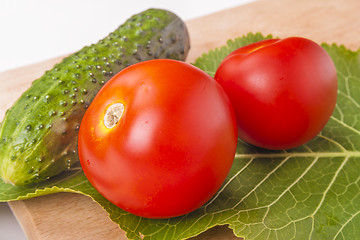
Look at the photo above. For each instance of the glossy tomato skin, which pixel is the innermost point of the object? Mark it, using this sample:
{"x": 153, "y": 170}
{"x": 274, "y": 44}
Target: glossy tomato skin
{"x": 283, "y": 91}
{"x": 173, "y": 145}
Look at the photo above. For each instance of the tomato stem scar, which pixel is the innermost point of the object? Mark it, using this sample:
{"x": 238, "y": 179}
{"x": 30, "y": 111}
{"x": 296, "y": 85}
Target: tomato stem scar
{"x": 113, "y": 114}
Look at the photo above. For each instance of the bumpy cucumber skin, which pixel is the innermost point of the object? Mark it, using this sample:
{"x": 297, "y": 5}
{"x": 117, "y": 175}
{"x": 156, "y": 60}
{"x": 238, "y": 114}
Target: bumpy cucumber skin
{"x": 38, "y": 138}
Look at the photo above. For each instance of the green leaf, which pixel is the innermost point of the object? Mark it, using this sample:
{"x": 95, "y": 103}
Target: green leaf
{"x": 311, "y": 192}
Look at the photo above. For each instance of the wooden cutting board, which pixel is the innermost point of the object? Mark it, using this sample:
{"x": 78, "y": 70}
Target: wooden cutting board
{"x": 73, "y": 216}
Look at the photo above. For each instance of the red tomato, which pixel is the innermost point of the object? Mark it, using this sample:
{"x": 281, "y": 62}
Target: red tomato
{"x": 171, "y": 148}
{"x": 283, "y": 91}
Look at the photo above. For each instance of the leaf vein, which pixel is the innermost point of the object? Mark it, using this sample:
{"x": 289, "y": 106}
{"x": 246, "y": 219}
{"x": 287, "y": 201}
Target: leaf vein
{"x": 228, "y": 182}
{"x": 330, "y": 184}
{"x": 345, "y": 224}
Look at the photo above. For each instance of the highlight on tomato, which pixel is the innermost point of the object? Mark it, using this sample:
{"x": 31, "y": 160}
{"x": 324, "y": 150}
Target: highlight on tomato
{"x": 283, "y": 91}
{"x": 159, "y": 139}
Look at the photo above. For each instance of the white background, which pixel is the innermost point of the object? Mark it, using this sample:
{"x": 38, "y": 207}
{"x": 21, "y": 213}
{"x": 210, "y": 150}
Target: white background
{"x": 32, "y": 31}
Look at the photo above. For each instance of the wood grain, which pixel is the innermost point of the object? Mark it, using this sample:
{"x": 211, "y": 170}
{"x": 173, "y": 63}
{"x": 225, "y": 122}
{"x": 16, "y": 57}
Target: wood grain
{"x": 73, "y": 216}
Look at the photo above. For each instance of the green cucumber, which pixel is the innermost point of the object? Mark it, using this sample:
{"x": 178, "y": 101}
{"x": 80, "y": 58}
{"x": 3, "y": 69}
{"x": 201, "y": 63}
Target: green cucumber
{"x": 38, "y": 138}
